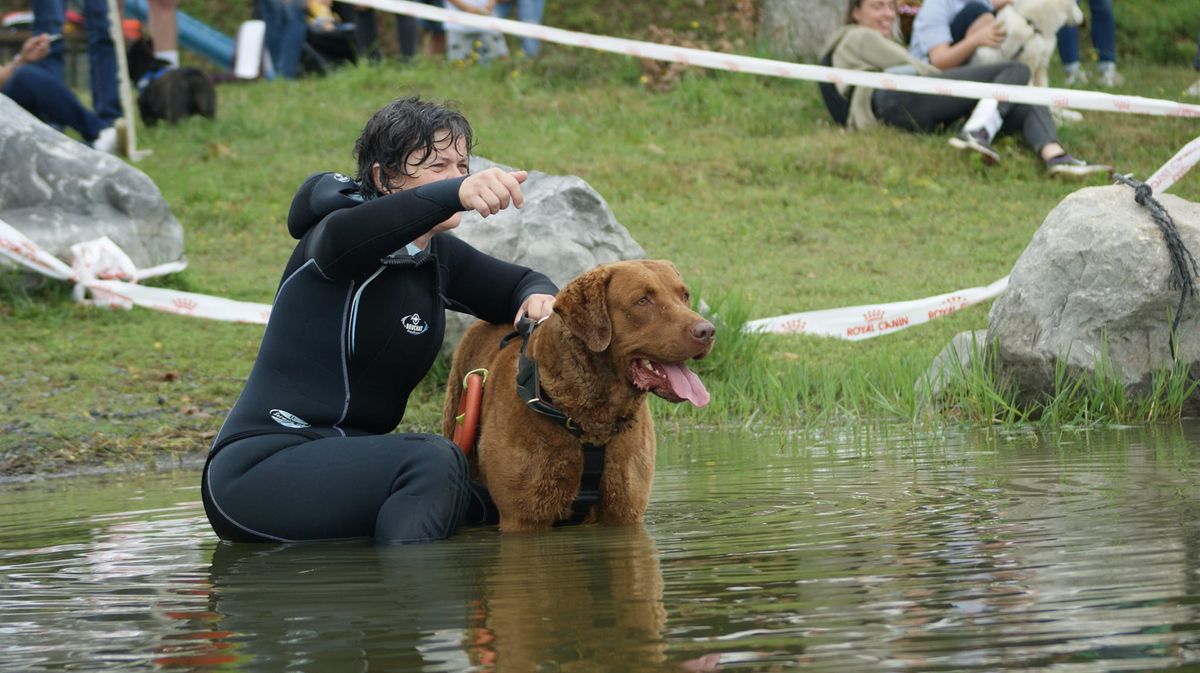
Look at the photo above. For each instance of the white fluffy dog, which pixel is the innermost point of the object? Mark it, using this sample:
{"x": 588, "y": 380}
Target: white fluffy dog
{"x": 1030, "y": 35}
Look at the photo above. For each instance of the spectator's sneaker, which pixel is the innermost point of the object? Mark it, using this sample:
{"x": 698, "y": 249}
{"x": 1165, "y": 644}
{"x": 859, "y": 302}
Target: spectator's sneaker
{"x": 1065, "y": 165}
{"x": 1110, "y": 78}
{"x": 1193, "y": 90}
{"x": 976, "y": 141}
{"x": 1076, "y": 77}
{"x": 107, "y": 141}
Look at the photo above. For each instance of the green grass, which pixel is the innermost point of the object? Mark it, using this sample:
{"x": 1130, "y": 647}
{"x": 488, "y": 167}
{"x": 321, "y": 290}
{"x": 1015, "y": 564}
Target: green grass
{"x": 764, "y": 205}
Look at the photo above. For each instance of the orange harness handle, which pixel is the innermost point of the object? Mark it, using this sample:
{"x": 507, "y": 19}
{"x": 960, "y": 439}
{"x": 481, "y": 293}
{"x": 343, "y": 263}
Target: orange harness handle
{"x": 466, "y": 419}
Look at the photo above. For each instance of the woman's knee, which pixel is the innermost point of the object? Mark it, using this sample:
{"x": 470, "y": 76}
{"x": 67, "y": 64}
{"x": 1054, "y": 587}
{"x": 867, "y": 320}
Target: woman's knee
{"x": 435, "y": 461}
{"x": 22, "y": 86}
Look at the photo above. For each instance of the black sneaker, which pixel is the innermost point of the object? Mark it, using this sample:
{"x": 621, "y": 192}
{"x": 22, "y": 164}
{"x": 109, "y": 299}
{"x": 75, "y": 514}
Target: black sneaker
{"x": 976, "y": 141}
{"x": 1065, "y": 165}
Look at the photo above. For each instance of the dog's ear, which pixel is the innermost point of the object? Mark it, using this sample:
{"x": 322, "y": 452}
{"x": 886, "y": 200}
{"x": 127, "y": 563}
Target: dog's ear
{"x": 583, "y": 307}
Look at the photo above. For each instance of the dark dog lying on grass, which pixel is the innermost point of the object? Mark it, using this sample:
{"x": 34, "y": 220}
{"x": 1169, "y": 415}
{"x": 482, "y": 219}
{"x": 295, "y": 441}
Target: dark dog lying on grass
{"x": 166, "y": 92}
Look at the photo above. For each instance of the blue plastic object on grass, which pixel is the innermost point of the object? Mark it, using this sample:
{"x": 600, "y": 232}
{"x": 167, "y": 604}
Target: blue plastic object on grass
{"x": 196, "y": 35}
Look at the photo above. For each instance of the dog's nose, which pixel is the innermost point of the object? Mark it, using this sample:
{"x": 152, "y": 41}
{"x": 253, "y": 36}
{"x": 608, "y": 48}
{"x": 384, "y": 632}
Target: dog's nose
{"x": 703, "y": 331}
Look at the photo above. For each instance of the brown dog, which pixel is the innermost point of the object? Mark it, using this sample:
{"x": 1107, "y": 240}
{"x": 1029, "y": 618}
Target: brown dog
{"x": 619, "y": 331}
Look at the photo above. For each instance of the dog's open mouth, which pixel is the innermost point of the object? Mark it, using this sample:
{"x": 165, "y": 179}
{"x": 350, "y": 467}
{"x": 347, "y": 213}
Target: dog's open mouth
{"x": 672, "y": 381}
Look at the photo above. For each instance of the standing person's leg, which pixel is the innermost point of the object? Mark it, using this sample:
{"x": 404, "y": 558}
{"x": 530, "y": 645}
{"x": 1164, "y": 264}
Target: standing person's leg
{"x": 1104, "y": 38}
{"x": 293, "y": 31}
{"x": 102, "y": 61}
{"x": 393, "y": 488}
{"x": 164, "y": 31}
{"x": 48, "y": 18}
{"x": 366, "y": 29}
{"x": 407, "y": 35}
{"x": 530, "y": 11}
{"x": 1068, "y": 52}
{"x": 271, "y": 13}
{"x": 48, "y": 99}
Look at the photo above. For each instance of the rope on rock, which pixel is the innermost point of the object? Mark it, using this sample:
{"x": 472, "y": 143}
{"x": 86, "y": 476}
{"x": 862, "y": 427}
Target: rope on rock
{"x": 1184, "y": 269}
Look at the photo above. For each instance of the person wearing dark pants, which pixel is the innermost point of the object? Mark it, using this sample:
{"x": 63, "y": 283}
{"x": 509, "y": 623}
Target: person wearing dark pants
{"x": 48, "y": 99}
{"x": 48, "y": 19}
{"x": 366, "y": 31}
{"x": 287, "y": 28}
{"x": 865, "y": 43}
{"x": 527, "y": 11}
{"x": 1104, "y": 38}
{"x": 925, "y": 113}
{"x": 308, "y": 452}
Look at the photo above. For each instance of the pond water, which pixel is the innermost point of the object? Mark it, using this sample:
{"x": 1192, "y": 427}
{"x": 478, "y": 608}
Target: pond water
{"x": 861, "y": 550}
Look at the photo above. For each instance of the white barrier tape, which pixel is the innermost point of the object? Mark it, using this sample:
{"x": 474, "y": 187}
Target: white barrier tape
{"x": 1062, "y": 98}
{"x": 864, "y": 322}
{"x": 117, "y": 294}
{"x": 96, "y": 267}
{"x": 1176, "y": 168}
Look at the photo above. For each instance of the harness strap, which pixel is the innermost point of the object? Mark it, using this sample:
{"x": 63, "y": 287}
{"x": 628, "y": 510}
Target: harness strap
{"x": 528, "y": 387}
{"x": 589, "y": 485}
{"x": 530, "y": 390}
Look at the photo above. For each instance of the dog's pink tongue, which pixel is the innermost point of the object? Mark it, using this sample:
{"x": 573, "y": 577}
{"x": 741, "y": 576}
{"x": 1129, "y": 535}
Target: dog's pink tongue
{"x": 685, "y": 384}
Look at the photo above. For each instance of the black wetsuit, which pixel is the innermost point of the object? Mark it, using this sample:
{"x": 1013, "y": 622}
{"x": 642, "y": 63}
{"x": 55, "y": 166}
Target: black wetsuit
{"x": 357, "y": 321}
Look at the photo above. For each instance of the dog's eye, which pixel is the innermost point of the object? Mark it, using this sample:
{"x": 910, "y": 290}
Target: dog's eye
{"x": 644, "y": 301}
{"x": 687, "y": 296}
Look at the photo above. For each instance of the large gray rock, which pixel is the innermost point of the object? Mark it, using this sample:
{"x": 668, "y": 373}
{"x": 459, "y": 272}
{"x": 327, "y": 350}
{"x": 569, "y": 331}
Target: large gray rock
{"x": 1093, "y": 285}
{"x": 564, "y": 229}
{"x": 953, "y": 364}
{"x": 58, "y": 192}
{"x": 797, "y": 29}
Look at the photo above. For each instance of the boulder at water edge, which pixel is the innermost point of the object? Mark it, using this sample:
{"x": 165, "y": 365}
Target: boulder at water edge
{"x": 58, "y": 192}
{"x": 564, "y": 229}
{"x": 1093, "y": 285}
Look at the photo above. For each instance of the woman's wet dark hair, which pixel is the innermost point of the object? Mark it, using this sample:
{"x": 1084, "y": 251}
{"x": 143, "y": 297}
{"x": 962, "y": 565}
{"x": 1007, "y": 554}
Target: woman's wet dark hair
{"x": 404, "y": 128}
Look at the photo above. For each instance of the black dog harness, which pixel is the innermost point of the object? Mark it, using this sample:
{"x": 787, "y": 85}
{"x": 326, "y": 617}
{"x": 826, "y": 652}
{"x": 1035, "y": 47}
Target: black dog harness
{"x": 536, "y": 399}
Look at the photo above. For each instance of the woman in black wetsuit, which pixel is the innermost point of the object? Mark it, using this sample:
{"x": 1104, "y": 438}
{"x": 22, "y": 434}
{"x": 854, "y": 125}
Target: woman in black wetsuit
{"x": 306, "y": 452}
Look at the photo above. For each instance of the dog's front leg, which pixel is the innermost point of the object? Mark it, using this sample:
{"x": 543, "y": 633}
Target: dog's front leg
{"x": 628, "y": 475}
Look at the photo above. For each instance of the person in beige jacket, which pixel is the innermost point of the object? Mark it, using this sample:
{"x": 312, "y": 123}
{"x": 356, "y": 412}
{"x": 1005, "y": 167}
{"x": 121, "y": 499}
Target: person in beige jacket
{"x": 866, "y": 42}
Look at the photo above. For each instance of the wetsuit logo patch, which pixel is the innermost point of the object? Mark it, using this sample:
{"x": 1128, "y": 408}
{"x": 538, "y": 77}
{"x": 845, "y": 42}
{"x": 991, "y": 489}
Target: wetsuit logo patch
{"x": 341, "y": 178}
{"x": 287, "y": 420}
{"x": 414, "y": 324}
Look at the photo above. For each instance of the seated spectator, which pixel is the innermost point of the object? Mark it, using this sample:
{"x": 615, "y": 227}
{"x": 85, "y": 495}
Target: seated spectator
{"x": 1104, "y": 38}
{"x": 48, "y": 99}
{"x": 464, "y": 41}
{"x": 49, "y": 17}
{"x": 946, "y": 33}
{"x": 865, "y": 43}
{"x": 528, "y": 11}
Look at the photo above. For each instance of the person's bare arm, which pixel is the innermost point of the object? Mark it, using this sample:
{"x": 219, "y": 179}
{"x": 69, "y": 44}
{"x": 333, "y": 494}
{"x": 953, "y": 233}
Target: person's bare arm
{"x": 945, "y": 55}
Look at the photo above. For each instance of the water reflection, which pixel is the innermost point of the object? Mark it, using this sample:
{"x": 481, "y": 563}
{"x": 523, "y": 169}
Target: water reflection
{"x": 581, "y": 600}
{"x": 858, "y": 550}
